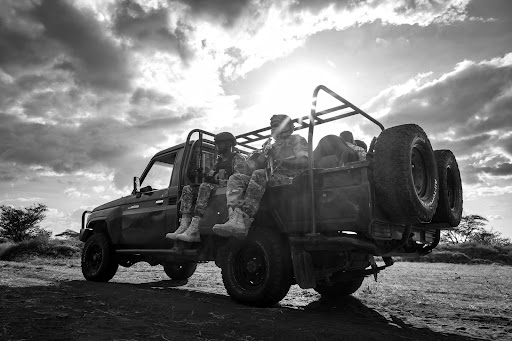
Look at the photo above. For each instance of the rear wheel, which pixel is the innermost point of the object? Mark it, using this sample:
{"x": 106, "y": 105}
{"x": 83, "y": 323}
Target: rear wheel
{"x": 98, "y": 261}
{"x": 179, "y": 270}
{"x": 405, "y": 174}
{"x": 449, "y": 209}
{"x": 257, "y": 271}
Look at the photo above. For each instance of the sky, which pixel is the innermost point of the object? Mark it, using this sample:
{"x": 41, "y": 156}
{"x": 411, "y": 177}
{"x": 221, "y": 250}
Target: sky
{"x": 91, "y": 89}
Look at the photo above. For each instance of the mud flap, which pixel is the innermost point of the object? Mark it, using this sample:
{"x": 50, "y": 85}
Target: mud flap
{"x": 374, "y": 267}
{"x": 303, "y": 268}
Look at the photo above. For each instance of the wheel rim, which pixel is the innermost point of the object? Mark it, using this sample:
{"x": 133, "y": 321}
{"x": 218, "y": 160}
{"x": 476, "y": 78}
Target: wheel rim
{"x": 419, "y": 172}
{"x": 250, "y": 267}
{"x": 94, "y": 257}
{"x": 450, "y": 186}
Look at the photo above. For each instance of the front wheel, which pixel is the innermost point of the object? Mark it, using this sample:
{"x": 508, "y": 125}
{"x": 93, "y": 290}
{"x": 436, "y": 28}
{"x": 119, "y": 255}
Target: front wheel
{"x": 257, "y": 271}
{"x": 179, "y": 270}
{"x": 98, "y": 262}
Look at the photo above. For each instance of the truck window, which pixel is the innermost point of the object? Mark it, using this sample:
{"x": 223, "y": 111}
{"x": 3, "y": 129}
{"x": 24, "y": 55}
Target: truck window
{"x": 160, "y": 173}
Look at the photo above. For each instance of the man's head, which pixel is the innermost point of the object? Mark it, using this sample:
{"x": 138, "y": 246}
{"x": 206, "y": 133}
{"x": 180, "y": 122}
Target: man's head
{"x": 347, "y": 136}
{"x": 281, "y": 126}
{"x": 361, "y": 144}
{"x": 224, "y": 141}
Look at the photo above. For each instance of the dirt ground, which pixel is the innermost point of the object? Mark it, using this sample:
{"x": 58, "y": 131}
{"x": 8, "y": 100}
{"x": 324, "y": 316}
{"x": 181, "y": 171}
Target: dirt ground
{"x": 410, "y": 301}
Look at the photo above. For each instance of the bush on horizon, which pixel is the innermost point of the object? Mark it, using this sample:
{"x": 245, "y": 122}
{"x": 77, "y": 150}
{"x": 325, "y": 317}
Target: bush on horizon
{"x": 40, "y": 247}
{"x": 467, "y": 253}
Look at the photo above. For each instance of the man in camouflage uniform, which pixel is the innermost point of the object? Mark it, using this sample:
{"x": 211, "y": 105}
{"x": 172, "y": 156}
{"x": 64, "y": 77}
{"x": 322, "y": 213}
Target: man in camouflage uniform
{"x": 228, "y": 163}
{"x": 289, "y": 156}
{"x": 349, "y": 139}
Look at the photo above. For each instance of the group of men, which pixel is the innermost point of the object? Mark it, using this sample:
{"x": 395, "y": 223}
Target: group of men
{"x": 246, "y": 179}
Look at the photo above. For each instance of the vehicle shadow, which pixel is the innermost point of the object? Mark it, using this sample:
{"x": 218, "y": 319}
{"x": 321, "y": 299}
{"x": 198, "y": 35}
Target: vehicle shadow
{"x": 82, "y": 310}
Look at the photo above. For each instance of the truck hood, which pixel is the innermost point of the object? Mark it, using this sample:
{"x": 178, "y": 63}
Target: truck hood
{"x": 113, "y": 203}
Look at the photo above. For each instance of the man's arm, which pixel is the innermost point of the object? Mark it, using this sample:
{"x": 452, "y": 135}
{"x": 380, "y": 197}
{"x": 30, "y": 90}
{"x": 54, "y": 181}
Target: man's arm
{"x": 294, "y": 162}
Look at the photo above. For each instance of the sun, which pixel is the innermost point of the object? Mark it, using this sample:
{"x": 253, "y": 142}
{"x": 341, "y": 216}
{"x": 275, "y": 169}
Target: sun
{"x": 290, "y": 90}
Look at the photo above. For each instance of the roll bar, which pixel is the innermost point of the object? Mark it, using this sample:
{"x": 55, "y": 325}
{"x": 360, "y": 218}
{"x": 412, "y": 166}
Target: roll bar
{"x": 244, "y": 141}
{"x": 313, "y": 119}
{"x": 190, "y": 144}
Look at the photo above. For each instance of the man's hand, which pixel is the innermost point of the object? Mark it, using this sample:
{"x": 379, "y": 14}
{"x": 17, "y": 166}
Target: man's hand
{"x": 260, "y": 161}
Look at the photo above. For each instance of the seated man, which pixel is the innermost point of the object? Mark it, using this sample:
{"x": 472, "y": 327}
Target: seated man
{"x": 349, "y": 139}
{"x": 228, "y": 162}
{"x": 332, "y": 151}
{"x": 289, "y": 155}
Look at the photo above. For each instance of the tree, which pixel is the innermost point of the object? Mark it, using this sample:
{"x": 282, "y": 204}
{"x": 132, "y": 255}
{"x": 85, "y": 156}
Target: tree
{"x": 19, "y": 224}
{"x": 472, "y": 229}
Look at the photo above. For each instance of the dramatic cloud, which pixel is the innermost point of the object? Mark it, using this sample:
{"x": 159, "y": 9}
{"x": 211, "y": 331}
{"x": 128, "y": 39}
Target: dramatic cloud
{"x": 39, "y": 35}
{"x": 97, "y": 58}
{"x": 90, "y": 90}
{"x": 501, "y": 169}
{"x": 225, "y": 12}
{"x": 472, "y": 100}
{"x": 466, "y": 110}
{"x": 151, "y": 29}
{"x": 98, "y": 144}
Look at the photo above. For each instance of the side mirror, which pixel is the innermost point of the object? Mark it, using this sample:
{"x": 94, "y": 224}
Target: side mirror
{"x": 146, "y": 189}
{"x": 136, "y": 185}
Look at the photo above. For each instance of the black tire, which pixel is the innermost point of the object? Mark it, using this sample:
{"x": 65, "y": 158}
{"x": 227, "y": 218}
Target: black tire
{"x": 98, "y": 261}
{"x": 343, "y": 288}
{"x": 449, "y": 209}
{"x": 405, "y": 174}
{"x": 257, "y": 271}
{"x": 179, "y": 270}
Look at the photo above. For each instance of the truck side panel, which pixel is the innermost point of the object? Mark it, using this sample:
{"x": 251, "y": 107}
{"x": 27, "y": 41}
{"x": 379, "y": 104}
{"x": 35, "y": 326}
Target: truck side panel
{"x": 342, "y": 197}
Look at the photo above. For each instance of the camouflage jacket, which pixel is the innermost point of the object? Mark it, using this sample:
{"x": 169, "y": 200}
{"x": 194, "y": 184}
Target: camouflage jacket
{"x": 237, "y": 164}
{"x": 361, "y": 154}
{"x": 293, "y": 146}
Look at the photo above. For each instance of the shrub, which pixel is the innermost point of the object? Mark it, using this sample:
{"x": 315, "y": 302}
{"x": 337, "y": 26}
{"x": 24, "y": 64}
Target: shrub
{"x": 40, "y": 247}
{"x": 493, "y": 253}
{"x": 466, "y": 253}
{"x": 444, "y": 257}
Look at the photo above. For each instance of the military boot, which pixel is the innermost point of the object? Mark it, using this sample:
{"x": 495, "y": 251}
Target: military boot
{"x": 191, "y": 235}
{"x": 184, "y": 223}
{"x": 237, "y": 226}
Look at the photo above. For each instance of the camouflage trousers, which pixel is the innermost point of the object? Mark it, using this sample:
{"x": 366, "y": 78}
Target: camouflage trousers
{"x": 205, "y": 191}
{"x": 246, "y": 191}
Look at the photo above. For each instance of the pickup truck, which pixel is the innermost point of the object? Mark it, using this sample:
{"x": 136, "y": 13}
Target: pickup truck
{"x": 321, "y": 231}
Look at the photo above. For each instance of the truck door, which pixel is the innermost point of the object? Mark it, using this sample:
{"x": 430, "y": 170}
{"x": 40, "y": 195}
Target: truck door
{"x": 144, "y": 222}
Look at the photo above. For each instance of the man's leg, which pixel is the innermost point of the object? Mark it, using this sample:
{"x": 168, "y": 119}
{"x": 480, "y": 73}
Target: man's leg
{"x": 240, "y": 221}
{"x": 235, "y": 191}
{"x": 185, "y": 210}
{"x": 254, "y": 192}
{"x": 191, "y": 234}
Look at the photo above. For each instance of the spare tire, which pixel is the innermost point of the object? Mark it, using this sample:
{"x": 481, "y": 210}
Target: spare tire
{"x": 405, "y": 174}
{"x": 449, "y": 209}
